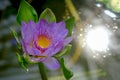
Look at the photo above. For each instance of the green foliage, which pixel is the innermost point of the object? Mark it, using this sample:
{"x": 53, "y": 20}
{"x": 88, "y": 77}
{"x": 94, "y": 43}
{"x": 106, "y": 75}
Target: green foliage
{"x": 16, "y": 37}
{"x": 22, "y": 62}
{"x": 66, "y": 50}
{"x": 67, "y": 73}
{"x": 70, "y": 24}
{"x": 26, "y": 12}
{"x": 114, "y": 5}
{"x": 48, "y": 15}
{"x": 104, "y": 1}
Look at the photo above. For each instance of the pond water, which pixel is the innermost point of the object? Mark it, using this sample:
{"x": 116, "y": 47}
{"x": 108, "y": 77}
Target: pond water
{"x": 96, "y": 46}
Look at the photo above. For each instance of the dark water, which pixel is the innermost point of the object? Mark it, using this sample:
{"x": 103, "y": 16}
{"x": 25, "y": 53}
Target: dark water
{"x": 87, "y": 67}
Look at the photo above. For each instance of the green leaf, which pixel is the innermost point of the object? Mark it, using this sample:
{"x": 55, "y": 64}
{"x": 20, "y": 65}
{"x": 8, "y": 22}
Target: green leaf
{"x": 27, "y": 59}
{"x": 64, "y": 51}
{"x": 114, "y": 5}
{"x": 16, "y": 37}
{"x": 48, "y": 15}
{"x": 104, "y": 1}
{"x": 70, "y": 24}
{"x": 67, "y": 73}
{"x": 21, "y": 61}
{"x": 26, "y": 12}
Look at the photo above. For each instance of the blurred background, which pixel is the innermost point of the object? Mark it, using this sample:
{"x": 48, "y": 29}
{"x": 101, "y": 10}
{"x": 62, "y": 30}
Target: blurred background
{"x": 95, "y": 54}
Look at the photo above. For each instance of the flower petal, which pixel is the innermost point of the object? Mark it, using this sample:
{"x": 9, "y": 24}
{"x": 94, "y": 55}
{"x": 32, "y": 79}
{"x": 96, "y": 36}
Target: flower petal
{"x": 57, "y": 34}
{"x": 49, "y": 51}
{"x": 57, "y": 48}
{"x": 67, "y": 40}
{"x": 52, "y": 63}
{"x": 30, "y": 50}
{"x": 28, "y": 30}
{"x": 42, "y": 26}
{"x": 58, "y": 30}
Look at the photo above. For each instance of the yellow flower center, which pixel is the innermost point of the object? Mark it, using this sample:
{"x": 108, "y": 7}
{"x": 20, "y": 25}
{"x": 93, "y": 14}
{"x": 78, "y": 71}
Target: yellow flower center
{"x": 43, "y": 41}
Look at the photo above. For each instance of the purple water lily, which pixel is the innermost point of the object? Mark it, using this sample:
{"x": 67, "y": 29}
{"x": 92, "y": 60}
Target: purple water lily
{"x": 42, "y": 40}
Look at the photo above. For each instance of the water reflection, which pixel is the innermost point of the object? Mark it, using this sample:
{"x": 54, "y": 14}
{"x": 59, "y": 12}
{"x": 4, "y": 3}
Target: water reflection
{"x": 109, "y": 13}
{"x": 100, "y": 56}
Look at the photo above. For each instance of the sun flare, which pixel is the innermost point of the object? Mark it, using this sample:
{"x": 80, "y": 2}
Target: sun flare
{"x": 97, "y": 39}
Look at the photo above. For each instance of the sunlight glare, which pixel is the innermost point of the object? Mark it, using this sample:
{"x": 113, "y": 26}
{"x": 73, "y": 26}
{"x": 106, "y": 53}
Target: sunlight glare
{"x": 97, "y": 39}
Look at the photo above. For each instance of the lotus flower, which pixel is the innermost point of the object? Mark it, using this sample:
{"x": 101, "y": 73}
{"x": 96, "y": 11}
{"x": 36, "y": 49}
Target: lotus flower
{"x": 42, "y": 40}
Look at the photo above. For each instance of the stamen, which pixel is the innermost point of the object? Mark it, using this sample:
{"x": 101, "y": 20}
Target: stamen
{"x": 43, "y": 41}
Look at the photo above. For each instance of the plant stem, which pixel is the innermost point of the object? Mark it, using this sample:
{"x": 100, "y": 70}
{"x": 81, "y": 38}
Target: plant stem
{"x": 79, "y": 26}
{"x": 42, "y": 71}
{"x": 72, "y": 10}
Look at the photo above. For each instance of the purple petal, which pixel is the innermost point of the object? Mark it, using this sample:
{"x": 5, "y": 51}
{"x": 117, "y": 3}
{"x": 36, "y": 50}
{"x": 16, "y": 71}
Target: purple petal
{"x": 31, "y": 50}
{"x": 42, "y": 26}
{"x": 68, "y": 40}
{"x": 61, "y": 25}
{"x": 51, "y": 63}
{"x": 28, "y": 31}
{"x": 58, "y": 30}
{"x": 57, "y": 48}
{"x": 58, "y": 27}
{"x": 48, "y": 52}
{"x": 27, "y": 48}
{"x": 36, "y": 52}
{"x": 24, "y": 24}
{"x": 61, "y": 35}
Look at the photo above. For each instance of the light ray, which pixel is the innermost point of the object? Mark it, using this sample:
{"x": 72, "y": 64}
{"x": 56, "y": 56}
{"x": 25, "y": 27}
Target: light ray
{"x": 97, "y": 39}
